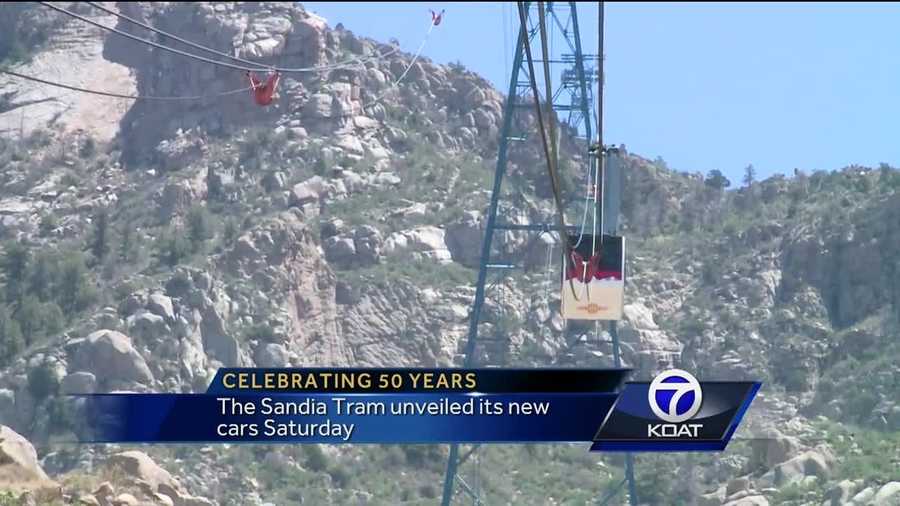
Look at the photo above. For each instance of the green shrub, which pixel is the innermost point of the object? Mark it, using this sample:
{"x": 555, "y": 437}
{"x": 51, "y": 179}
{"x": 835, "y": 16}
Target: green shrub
{"x": 716, "y": 180}
{"x": 48, "y": 224}
{"x": 7, "y": 498}
{"x": 316, "y": 460}
{"x": 100, "y": 236}
{"x": 128, "y": 243}
{"x": 43, "y": 275}
{"x": 60, "y": 411}
{"x": 199, "y": 227}
{"x": 76, "y": 292}
{"x": 341, "y": 476}
{"x": 42, "y": 382}
{"x": 866, "y": 454}
{"x": 11, "y": 342}
{"x": 172, "y": 248}
{"x": 45, "y": 289}
{"x": 69, "y": 179}
{"x": 14, "y": 265}
{"x": 88, "y": 148}
{"x": 231, "y": 231}
{"x": 260, "y": 332}
{"x": 30, "y": 315}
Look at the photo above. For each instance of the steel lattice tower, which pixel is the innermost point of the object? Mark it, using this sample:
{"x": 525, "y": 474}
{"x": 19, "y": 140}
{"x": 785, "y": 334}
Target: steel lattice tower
{"x": 574, "y": 74}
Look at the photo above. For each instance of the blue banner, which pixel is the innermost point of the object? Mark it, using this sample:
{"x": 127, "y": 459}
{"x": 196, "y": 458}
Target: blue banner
{"x": 347, "y": 418}
{"x": 318, "y": 405}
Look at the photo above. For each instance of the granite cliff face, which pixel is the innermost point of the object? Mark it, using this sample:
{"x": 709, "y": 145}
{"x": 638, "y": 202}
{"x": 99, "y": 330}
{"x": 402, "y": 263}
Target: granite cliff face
{"x": 70, "y": 52}
{"x": 341, "y": 227}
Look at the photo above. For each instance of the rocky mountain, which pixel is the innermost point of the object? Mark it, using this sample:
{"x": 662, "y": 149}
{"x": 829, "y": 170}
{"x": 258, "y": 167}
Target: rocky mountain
{"x": 150, "y": 242}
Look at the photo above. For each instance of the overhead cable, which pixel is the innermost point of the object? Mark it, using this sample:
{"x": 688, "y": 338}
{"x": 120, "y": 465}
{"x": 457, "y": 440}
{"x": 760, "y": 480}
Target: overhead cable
{"x": 118, "y": 95}
{"x": 260, "y": 66}
{"x": 564, "y": 237}
{"x": 255, "y": 67}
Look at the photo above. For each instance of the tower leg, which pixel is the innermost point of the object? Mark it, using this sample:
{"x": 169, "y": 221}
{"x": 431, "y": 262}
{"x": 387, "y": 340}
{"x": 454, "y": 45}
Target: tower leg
{"x": 629, "y": 458}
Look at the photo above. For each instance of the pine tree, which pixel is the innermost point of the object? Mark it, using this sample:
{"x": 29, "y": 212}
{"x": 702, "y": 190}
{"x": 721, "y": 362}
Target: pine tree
{"x": 30, "y": 319}
{"x": 100, "y": 241}
{"x": 127, "y": 243}
{"x": 199, "y": 225}
{"x": 14, "y": 265}
{"x": 75, "y": 292}
{"x": 715, "y": 179}
{"x": 172, "y": 248}
{"x": 749, "y": 175}
{"x": 231, "y": 231}
{"x": 42, "y": 381}
{"x": 11, "y": 342}
{"x": 42, "y": 276}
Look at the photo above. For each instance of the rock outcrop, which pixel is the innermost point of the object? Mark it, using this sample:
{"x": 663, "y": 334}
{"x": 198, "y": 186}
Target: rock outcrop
{"x": 20, "y": 470}
{"x": 72, "y": 55}
{"x": 111, "y": 357}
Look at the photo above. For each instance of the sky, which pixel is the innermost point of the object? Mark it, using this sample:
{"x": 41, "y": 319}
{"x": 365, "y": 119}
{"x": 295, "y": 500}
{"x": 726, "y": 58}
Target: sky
{"x": 701, "y": 85}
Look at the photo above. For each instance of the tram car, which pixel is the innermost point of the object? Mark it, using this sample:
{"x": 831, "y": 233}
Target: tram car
{"x": 593, "y": 284}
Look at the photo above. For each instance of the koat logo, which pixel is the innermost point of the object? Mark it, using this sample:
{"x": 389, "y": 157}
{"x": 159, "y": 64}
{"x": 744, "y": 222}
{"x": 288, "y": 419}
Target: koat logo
{"x": 675, "y": 396}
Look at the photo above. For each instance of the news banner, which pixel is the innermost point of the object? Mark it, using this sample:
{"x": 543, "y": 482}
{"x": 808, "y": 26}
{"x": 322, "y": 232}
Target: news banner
{"x": 674, "y": 412}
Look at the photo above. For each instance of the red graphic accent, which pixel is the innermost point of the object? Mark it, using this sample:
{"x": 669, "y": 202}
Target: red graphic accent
{"x": 593, "y": 308}
{"x": 608, "y": 275}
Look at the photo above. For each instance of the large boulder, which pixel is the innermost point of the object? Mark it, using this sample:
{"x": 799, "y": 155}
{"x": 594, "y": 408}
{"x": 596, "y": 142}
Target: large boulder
{"x": 125, "y": 499}
{"x": 180, "y": 498}
{"x": 863, "y": 496}
{"x": 736, "y": 485}
{"x": 80, "y": 382}
{"x": 139, "y": 465}
{"x": 307, "y": 39}
{"x": 841, "y": 493}
{"x": 147, "y": 327}
{"x": 340, "y": 250}
{"x": 426, "y": 242}
{"x": 161, "y": 305}
{"x": 809, "y": 463}
{"x": 773, "y": 450}
{"x": 87, "y": 500}
{"x": 19, "y": 467}
{"x": 110, "y": 356}
{"x": 714, "y": 498}
{"x": 384, "y": 179}
{"x": 179, "y": 150}
{"x": 368, "y": 241}
{"x": 464, "y": 239}
{"x": 304, "y": 193}
{"x": 315, "y": 189}
{"x": 176, "y": 198}
{"x": 430, "y": 241}
{"x": 888, "y": 495}
{"x": 217, "y": 341}
{"x": 318, "y": 106}
{"x": 350, "y": 144}
{"x": 752, "y": 500}
{"x": 272, "y": 355}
